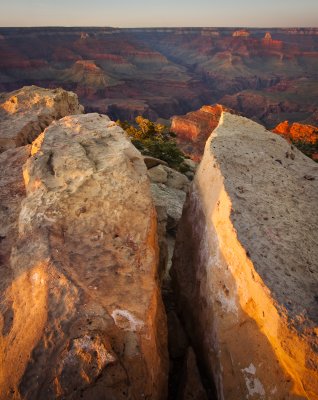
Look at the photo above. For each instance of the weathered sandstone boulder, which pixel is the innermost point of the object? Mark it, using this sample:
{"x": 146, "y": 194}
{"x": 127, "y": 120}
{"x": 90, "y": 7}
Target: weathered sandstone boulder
{"x": 25, "y": 113}
{"x": 245, "y": 264}
{"x": 81, "y": 315}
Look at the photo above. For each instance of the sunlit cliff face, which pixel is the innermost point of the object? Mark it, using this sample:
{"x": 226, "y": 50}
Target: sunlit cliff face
{"x": 22, "y": 330}
{"x": 242, "y": 292}
{"x": 298, "y": 132}
{"x": 302, "y": 135}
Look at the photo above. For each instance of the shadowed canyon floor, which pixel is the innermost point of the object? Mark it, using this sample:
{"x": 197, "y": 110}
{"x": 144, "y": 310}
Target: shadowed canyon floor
{"x": 88, "y": 309}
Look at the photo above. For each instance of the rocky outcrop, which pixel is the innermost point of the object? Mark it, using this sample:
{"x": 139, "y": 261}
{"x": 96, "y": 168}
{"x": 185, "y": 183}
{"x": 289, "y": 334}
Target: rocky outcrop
{"x": 305, "y": 136}
{"x": 245, "y": 264}
{"x": 241, "y": 33}
{"x": 270, "y": 43}
{"x": 194, "y": 128}
{"x": 81, "y": 313}
{"x": 25, "y": 113}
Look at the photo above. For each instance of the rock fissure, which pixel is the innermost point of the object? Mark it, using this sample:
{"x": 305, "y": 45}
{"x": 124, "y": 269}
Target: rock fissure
{"x": 237, "y": 247}
{"x": 91, "y": 230}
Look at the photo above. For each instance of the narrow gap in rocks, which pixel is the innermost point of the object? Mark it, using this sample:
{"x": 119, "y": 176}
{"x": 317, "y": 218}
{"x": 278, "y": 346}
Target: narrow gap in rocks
{"x": 187, "y": 378}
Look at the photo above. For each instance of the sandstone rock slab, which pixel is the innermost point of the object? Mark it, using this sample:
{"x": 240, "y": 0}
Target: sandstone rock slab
{"x": 26, "y": 112}
{"x": 81, "y": 312}
{"x": 245, "y": 264}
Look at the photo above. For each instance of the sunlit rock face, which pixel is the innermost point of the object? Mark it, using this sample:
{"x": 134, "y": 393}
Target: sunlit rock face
{"x": 81, "y": 315}
{"x": 194, "y": 128}
{"x": 245, "y": 265}
{"x": 25, "y": 113}
{"x": 300, "y": 133}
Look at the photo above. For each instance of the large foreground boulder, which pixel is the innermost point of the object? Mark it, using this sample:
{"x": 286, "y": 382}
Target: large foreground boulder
{"x": 26, "y": 112}
{"x": 245, "y": 265}
{"x": 81, "y": 312}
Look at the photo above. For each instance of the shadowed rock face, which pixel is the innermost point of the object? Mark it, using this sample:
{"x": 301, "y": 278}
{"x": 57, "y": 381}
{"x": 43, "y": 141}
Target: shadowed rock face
{"x": 81, "y": 312}
{"x": 269, "y": 75}
{"x": 245, "y": 264}
{"x": 25, "y": 113}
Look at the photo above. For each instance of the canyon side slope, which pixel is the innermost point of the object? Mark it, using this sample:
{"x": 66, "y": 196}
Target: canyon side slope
{"x": 81, "y": 314}
{"x": 245, "y": 264}
{"x": 267, "y": 74}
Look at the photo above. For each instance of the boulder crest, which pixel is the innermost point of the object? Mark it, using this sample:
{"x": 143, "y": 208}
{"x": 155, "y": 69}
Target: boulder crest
{"x": 25, "y": 113}
{"x": 81, "y": 311}
{"x": 245, "y": 264}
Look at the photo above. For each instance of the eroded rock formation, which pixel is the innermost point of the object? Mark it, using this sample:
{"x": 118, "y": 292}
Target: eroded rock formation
{"x": 168, "y": 71}
{"x": 194, "y": 128}
{"x": 81, "y": 312}
{"x": 301, "y": 134}
{"x": 245, "y": 264}
{"x": 25, "y": 113}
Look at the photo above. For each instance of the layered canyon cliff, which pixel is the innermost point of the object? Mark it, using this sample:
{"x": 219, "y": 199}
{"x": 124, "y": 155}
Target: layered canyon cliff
{"x": 269, "y": 75}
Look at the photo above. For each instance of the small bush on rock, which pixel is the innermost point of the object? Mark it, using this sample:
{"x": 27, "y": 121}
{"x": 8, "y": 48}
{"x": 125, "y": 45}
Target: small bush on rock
{"x": 154, "y": 140}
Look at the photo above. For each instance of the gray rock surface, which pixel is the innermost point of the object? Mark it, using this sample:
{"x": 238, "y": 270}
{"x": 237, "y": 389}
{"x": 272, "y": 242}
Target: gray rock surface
{"x": 26, "y": 112}
{"x": 245, "y": 264}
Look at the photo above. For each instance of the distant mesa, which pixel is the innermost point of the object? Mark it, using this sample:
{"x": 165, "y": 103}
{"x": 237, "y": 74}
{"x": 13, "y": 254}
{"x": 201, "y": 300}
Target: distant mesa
{"x": 84, "y": 35}
{"x": 208, "y": 32}
{"x": 269, "y": 42}
{"x": 241, "y": 33}
{"x": 267, "y": 36}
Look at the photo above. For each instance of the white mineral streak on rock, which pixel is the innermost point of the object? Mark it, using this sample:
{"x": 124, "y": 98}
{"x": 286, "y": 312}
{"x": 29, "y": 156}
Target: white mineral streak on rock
{"x": 82, "y": 243}
{"x": 135, "y": 324}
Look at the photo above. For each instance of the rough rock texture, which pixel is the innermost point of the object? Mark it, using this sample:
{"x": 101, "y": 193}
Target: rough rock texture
{"x": 194, "y": 128}
{"x": 81, "y": 313}
{"x": 245, "y": 264}
{"x": 169, "y": 71}
{"x": 12, "y": 192}
{"x": 25, "y": 113}
{"x": 168, "y": 189}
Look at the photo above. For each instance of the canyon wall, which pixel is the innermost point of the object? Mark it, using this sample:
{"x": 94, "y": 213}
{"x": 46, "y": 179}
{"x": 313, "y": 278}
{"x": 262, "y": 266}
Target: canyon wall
{"x": 304, "y": 136}
{"x": 245, "y": 264}
{"x": 81, "y": 314}
{"x": 265, "y": 74}
{"x": 193, "y": 129}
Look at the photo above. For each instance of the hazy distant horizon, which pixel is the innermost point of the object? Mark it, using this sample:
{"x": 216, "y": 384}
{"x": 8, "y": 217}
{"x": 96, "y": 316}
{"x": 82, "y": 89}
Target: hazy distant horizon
{"x": 160, "y": 27}
{"x": 162, "y": 14}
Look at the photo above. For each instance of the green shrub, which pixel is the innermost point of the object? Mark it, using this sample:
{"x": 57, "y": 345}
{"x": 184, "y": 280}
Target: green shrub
{"x": 307, "y": 148}
{"x": 154, "y": 140}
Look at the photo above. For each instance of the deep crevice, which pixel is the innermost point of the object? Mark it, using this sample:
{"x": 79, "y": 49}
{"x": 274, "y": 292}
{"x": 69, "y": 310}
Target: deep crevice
{"x": 178, "y": 351}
